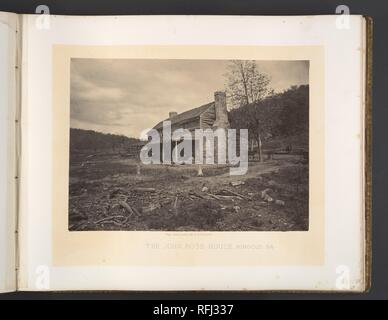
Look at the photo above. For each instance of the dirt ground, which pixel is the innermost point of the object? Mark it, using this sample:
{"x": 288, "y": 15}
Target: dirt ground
{"x": 108, "y": 194}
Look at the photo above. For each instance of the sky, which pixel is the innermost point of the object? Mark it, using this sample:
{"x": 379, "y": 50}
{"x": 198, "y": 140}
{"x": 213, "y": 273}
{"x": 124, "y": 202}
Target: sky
{"x": 128, "y": 96}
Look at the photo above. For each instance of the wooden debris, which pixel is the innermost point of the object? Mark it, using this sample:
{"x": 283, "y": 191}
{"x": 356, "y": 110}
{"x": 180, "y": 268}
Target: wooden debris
{"x": 176, "y": 206}
{"x": 108, "y": 219}
{"x": 136, "y": 211}
{"x": 196, "y": 195}
{"x": 151, "y": 208}
{"x": 141, "y": 189}
{"x": 99, "y": 201}
{"x": 237, "y": 183}
{"x": 116, "y": 192}
{"x": 237, "y": 194}
{"x": 127, "y": 207}
{"x": 213, "y": 196}
{"x": 265, "y": 192}
{"x": 267, "y": 198}
{"x": 228, "y": 197}
{"x": 117, "y": 224}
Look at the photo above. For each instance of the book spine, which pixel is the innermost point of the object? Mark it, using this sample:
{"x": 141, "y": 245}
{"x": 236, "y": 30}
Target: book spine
{"x": 368, "y": 151}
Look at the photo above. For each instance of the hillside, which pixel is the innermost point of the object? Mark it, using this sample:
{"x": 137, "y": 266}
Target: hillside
{"x": 92, "y": 141}
{"x": 279, "y": 121}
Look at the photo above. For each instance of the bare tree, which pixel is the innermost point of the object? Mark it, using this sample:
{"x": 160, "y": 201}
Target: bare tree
{"x": 245, "y": 83}
{"x": 246, "y": 87}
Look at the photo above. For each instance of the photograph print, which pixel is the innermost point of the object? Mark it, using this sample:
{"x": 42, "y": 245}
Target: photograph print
{"x": 189, "y": 145}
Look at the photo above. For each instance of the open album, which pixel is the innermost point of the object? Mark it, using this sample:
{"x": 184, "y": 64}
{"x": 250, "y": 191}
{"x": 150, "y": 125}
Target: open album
{"x": 185, "y": 153}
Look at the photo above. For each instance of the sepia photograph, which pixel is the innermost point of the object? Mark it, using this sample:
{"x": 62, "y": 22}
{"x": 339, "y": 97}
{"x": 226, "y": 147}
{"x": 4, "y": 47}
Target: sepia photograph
{"x": 189, "y": 145}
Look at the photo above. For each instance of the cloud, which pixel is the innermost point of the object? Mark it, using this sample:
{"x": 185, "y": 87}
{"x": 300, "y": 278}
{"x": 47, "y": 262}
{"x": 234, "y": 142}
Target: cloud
{"x": 127, "y": 96}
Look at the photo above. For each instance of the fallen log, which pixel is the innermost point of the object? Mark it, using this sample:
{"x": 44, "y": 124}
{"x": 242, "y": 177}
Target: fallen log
{"x": 228, "y": 197}
{"x": 109, "y": 218}
{"x": 196, "y": 195}
{"x": 127, "y": 207}
{"x": 237, "y": 194}
{"x": 237, "y": 183}
{"x": 141, "y": 189}
{"x": 136, "y": 211}
{"x": 213, "y": 196}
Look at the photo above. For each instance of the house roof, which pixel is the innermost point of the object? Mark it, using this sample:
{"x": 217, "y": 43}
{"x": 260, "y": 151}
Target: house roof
{"x": 186, "y": 116}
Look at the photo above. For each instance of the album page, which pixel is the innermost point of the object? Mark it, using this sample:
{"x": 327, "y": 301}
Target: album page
{"x": 192, "y": 153}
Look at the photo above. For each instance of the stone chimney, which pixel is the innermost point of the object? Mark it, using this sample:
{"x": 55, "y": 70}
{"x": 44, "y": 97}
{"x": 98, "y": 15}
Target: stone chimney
{"x": 172, "y": 114}
{"x": 221, "y": 111}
